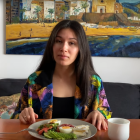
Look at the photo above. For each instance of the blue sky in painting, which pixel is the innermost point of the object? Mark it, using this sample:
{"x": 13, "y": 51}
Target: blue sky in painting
{"x": 129, "y": 1}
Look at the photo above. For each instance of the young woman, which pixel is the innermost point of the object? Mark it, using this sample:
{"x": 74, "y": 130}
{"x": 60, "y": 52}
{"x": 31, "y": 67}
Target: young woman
{"x": 65, "y": 84}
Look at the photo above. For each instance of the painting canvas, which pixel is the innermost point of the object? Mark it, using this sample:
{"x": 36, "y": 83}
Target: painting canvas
{"x": 112, "y": 26}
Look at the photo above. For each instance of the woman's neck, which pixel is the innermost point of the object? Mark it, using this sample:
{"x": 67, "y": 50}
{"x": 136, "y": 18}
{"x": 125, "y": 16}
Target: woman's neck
{"x": 64, "y": 71}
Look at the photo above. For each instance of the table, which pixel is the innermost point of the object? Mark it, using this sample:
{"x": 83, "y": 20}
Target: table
{"x": 12, "y": 125}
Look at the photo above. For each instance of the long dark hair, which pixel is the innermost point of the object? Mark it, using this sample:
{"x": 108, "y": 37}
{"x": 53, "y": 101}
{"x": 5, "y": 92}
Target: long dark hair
{"x": 83, "y": 64}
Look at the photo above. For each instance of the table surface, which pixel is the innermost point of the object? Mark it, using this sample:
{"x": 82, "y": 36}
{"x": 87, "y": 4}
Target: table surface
{"x": 12, "y": 125}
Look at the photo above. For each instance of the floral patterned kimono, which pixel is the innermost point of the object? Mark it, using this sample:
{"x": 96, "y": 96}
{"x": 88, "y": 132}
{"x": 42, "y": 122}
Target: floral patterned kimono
{"x": 38, "y": 94}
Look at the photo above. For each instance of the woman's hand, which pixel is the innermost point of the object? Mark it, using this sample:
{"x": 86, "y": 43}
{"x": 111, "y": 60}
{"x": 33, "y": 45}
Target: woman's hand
{"x": 97, "y": 119}
{"x": 28, "y": 116}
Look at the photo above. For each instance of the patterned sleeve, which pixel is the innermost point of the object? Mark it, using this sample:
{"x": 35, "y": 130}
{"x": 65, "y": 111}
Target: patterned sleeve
{"x": 22, "y": 103}
{"x": 26, "y": 95}
{"x": 100, "y": 101}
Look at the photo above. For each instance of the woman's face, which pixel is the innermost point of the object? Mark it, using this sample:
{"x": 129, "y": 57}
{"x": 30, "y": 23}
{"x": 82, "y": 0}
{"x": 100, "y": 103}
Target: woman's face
{"x": 65, "y": 49}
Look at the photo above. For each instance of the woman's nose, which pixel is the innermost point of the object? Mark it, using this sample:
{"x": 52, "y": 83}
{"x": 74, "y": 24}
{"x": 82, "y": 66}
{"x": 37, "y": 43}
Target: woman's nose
{"x": 64, "y": 47}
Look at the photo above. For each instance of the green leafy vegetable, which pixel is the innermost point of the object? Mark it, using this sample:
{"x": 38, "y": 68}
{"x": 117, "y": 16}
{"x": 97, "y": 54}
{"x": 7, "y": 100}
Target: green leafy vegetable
{"x": 41, "y": 126}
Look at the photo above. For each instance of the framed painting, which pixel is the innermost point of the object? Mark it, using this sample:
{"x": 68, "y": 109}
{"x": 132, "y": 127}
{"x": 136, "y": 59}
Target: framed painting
{"x": 112, "y": 26}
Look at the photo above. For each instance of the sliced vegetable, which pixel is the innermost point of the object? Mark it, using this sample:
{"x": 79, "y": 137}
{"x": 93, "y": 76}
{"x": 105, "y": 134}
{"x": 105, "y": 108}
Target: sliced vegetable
{"x": 47, "y": 136}
{"x": 45, "y": 129}
{"x": 61, "y": 136}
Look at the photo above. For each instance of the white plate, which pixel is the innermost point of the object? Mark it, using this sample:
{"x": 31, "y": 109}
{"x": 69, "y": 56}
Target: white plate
{"x": 91, "y": 133}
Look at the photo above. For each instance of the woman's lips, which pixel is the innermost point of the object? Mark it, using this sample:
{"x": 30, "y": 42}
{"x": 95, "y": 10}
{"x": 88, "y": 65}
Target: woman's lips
{"x": 63, "y": 56}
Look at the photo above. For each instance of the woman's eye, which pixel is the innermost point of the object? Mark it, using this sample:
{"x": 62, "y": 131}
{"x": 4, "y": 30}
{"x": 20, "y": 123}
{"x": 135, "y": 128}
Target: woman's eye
{"x": 58, "y": 41}
{"x": 72, "y": 43}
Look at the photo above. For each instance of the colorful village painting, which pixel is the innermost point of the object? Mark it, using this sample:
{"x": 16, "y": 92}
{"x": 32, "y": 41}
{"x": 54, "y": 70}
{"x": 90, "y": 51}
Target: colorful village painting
{"x": 112, "y": 26}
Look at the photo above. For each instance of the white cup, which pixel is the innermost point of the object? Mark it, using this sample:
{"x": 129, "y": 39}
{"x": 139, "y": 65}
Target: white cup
{"x": 118, "y": 128}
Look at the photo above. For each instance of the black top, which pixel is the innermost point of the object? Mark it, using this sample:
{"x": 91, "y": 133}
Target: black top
{"x": 63, "y": 107}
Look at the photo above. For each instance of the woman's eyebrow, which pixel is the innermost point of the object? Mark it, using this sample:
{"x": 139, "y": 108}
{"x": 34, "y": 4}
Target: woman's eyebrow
{"x": 69, "y": 38}
{"x": 58, "y": 36}
{"x": 73, "y": 38}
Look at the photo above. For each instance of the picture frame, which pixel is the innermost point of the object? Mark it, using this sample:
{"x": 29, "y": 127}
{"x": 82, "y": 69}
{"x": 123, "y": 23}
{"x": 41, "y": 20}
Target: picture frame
{"x": 112, "y": 26}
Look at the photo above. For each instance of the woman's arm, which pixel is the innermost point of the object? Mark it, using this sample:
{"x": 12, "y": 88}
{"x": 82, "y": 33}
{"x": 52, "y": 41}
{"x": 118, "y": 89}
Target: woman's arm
{"x": 100, "y": 106}
{"x": 25, "y": 100}
{"x": 26, "y": 105}
{"x": 22, "y": 103}
{"x": 100, "y": 102}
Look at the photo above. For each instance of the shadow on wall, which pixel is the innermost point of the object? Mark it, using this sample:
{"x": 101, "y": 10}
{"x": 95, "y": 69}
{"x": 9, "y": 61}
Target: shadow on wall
{"x": 3, "y": 2}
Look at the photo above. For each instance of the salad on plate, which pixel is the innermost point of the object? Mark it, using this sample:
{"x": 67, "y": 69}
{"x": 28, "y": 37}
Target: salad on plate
{"x": 53, "y": 129}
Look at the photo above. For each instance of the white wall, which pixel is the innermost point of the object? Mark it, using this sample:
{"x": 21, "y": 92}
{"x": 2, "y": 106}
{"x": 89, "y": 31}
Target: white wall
{"x": 110, "y": 69}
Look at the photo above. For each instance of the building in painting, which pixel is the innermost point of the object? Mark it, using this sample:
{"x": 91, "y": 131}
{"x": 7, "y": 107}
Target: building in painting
{"x": 15, "y": 9}
{"x": 48, "y": 6}
{"x": 24, "y": 4}
{"x": 25, "y": 9}
{"x": 59, "y": 14}
{"x": 103, "y": 6}
{"x": 67, "y": 5}
{"x": 20, "y": 12}
{"x": 90, "y": 6}
{"x": 27, "y": 4}
{"x": 118, "y": 8}
{"x": 8, "y": 10}
{"x": 58, "y": 9}
{"x": 41, "y": 4}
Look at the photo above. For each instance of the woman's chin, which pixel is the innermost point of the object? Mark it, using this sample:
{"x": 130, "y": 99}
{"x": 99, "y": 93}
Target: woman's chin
{"x": 63, "y": 64}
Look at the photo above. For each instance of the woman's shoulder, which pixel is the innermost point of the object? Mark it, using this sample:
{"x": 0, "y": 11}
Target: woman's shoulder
{"x": 96, "y": 80}
{"x": 33, "y": 76}
{"x": 41, "y": 78}
{"x": 95, "y": 77}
